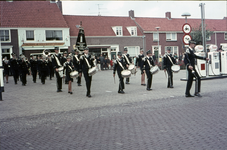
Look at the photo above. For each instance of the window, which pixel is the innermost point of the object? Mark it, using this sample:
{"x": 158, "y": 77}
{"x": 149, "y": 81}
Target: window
{"x": 118, "y": 31}
{"x": 4, "y": 34}
{"x": 174, "y": 49}
{"x": 208, "y": 38}
{"x": 171, "y": 36}
{"x": 155, "y": 37}
{"x": 132, "y": 30}
{"x": 225, "y": 35}
{"x": 53, "y": 35}
{"x": 133, "y": 50}
{"x": 30, "y": 35}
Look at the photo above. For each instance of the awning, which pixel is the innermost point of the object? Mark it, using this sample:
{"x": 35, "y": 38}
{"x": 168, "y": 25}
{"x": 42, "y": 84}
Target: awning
{"x": 43, "y": 44}
{"x": 40, "y": 46}
{"x": 98, "y": 46}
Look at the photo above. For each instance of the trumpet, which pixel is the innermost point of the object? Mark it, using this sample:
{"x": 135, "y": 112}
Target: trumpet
{"x": 46, "y": 52}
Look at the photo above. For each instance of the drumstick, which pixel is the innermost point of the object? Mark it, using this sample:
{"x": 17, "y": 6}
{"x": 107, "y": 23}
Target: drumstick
{"x": 165, "y": 74}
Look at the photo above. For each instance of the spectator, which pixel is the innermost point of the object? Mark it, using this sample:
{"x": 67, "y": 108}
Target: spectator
{"x": 101, "y": 61}
{"x": 98, "y": 64}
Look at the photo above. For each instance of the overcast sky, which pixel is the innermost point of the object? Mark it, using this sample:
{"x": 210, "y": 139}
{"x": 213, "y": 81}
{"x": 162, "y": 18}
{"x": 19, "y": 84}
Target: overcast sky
{"x": 213, "y": 9}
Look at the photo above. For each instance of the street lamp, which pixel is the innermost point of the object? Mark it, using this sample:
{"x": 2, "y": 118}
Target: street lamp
{"x": 158, "y": 41}
{"x": 186, "y": 14}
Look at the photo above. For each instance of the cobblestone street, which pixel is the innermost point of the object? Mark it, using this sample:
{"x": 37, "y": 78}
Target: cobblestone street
{"x": 36, "y": 117}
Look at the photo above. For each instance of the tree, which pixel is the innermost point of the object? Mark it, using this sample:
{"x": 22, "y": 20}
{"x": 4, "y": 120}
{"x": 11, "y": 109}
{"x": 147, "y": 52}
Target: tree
{"x": 196, "y": 34}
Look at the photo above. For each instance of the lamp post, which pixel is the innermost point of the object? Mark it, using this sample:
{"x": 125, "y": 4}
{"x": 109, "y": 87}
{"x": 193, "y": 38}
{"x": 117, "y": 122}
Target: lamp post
{"x": 158, "y": 41}
{"x": 186, "y": 14}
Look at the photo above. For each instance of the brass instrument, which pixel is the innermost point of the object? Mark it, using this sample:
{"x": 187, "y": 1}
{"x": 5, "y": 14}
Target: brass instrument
{"x": 46, "y": 52}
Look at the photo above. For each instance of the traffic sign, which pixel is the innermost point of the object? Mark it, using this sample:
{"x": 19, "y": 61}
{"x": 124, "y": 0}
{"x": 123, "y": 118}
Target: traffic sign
{"x": 186, "y": 28}
{"x": 186, "y": 39}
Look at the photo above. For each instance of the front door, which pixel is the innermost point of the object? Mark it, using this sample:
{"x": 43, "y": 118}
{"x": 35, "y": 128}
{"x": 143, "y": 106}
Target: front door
{"x": 156, "y": 54}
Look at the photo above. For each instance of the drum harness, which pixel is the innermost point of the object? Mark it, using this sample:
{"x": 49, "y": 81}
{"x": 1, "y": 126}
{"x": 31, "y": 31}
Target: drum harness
{"x": 172, "y": 64}
{"x": 58, "y": 65}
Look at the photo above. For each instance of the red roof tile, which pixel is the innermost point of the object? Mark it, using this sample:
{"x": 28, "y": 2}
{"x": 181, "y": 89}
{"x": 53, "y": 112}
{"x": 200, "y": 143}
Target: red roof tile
{"x": 149, "y": 24}
{"x": 31, "y": 14}
{"x": 99, "y": 25}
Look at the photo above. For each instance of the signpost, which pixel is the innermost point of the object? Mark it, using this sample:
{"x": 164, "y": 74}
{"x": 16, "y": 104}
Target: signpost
{"x": 186, "y": 28}
{"x": 1, "y": 75}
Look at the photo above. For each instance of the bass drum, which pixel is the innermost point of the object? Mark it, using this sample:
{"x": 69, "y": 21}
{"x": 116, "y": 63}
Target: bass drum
{"x": 154, "y": 69}
{"x": 74, "y": 74}
{"x": 126, "y": 73}
{"x": 175, "y": 68}
{"x": 92, "y": 71}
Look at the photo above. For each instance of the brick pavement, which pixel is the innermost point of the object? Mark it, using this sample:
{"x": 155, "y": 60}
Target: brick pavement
{"x": 159, "y": 119}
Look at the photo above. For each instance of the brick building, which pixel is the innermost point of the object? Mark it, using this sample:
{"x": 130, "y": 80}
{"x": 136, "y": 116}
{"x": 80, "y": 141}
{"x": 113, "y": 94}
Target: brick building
{"x": 32, "y": 26}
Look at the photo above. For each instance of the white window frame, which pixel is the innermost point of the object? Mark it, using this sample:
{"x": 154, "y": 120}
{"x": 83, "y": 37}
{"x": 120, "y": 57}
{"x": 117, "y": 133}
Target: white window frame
{"x": 9, "y": 36}
{"x": 26, "y": 35}
{"x": 171, "y": 37}
{"x": 116, "y": 28}
{"x": 159, "y": 50}
{"x": 156, "y": 39}
{"x": 132, "y": 30}
{"x": 172, "y": 48}
{"x": 54, "y": 39}
{"x": 225, "y": 35}
{"x": 137, "y": 50}
{"x": 208, "y": 38}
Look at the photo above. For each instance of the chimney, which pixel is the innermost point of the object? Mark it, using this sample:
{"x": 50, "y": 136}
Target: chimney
{"x": 168, "y": 15}
{"x": 131, "y": 14}
{"x": 59, "y": 4}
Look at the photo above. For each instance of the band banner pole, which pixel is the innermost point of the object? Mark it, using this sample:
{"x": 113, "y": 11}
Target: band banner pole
{"x": 1, "y": 74}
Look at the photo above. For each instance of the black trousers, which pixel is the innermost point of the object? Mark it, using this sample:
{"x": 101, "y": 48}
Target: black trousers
{"x": 88, "y": 80}
{"x": 43, "y": 76}
{"x": 34, "y": 75}
{"x": 121, "y": 83}
{"x": 78, "y": 80}
{"x": 15, "y": 75}
{"x": 127, "y": 79}
{"x": 190, "y": 80}
{"x": 59, "y": 81}
{"x": 170, "y": 77}
{"x": 149, "y": 78}
{"x": 23, "y": 77}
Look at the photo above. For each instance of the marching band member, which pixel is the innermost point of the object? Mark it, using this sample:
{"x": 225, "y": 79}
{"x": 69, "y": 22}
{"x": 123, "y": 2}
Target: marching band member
{"x": 43, "y": 68}
{"x": 14, "y": 66}
{"x": 147, "y": 63}
{"x": 50, "y": 67}
{"x": 119, "y": 65}
{"x": 64, "y": 59}
{"x": 167, "y": 67}
{"x": 189, "y": 61}
{"x": 57, "y": 63}
{"x": 24, "y": 70}
{"x": 68, "y": 66}
{"x": 128, "y": 61}
{"x": 34, "y": 66}
{"x": 86, "y": 62}
{"x": 76, "y": 63}
{"x": 139, "y": 63}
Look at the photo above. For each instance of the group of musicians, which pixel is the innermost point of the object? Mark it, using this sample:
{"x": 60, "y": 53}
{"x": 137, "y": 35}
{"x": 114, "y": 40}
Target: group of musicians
{"x": 65, "y": 64}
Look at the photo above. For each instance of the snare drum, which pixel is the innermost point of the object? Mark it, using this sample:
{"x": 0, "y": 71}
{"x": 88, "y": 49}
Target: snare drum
{"x": 154, "y": 69}
{"x": 125, "y": 73}
{"x": 131, "y": 67}
{"x": 175, "y": 68}
{"x": 74, "y": 74}
{"x": 92, "y": 71}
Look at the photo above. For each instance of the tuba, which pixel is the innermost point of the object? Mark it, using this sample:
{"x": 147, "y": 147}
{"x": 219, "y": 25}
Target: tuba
{"x": 46, "y": 52}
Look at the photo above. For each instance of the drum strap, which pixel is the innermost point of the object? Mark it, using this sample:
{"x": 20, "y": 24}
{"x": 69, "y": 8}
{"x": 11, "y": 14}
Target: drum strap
{"x": 149, "y": 63}
{"x": 57, "y": 61}
{"x": 77, "y": 58}
{"x": 70, "y": 68}
{"x": 120, "y": 64}
{"x": 170, "y": 59}
{"x": 87, "y": 62}
{"x": 126, "y": 59}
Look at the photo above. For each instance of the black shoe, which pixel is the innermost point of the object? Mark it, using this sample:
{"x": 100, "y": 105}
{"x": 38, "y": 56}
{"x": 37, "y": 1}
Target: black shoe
{"x": 59, "y": 90}
{"x": 121, "y": 92}
{"x": 188, "y": 95}
{"x": 127, "y": 83}
{"x": 7, "y": 82}
{"x": 16, "y": 83}
{"x": 34, "y": 81}
{"x": 79, "y": 85}
{"x": 89, "y": 96}
{"x": 171, "y": 86}
{"x": 68, "y": 92}
{"x": 168, "y": 87}
{"x": 149, "y": 89}
{"x": 197, "y": 94}
{"x": 23, "y": 84}
{"x": 43, "y": 83}
{"x": 50, "y": 79}
{"x": 71, "y": 92}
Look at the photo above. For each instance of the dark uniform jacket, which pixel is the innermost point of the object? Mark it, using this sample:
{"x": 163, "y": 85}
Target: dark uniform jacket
{"x": 118, "y": 67}
{"x": 24, "y": 66}
{"x": 190, "y": 57}
{"x": 139, "y": 60}
{"x": 54, "y": 61}
{"x": 127, "y": 55}
{"x": 14, "y": 64}
{"x": 68, "y": 66}
{"x": 167, "y": 62}
{"x": 43, "y": 66}
{"x": 76, "y": 62}
{"x": 145, "y": 64}
{"x": 34, "y": 64}
{"x": 83, "y": 63}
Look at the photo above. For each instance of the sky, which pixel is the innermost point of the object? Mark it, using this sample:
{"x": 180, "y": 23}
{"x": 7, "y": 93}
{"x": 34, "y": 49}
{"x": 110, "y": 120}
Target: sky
{"x": 213, "y": 9}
